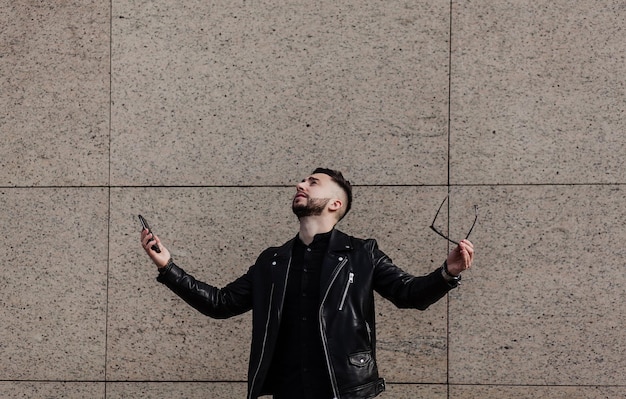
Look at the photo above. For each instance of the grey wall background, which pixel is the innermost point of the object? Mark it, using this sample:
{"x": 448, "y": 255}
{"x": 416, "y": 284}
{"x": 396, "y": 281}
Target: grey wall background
{"x": 202, "y": 115}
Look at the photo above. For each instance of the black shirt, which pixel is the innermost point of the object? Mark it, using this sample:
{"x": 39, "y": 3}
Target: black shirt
{"x": 299, "y": 368}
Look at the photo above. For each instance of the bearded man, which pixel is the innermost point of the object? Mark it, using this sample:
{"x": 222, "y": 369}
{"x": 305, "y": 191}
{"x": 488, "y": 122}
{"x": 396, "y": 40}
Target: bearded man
{"x": 312, "y": 302}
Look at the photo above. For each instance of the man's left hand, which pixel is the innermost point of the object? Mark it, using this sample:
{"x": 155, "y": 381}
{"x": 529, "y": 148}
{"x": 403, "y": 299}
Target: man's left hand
{"x": 461, "y": 258}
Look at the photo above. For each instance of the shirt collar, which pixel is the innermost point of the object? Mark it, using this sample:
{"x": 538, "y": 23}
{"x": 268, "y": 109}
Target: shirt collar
{"x": 319, "y": 240}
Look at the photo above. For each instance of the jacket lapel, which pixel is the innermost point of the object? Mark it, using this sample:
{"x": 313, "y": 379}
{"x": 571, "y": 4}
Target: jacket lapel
{"x": 280, "y": 265}
{"x": 339, "y": 248}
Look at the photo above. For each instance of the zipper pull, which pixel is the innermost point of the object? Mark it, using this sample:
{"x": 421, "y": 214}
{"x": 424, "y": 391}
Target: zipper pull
{"x": 345, "y": 292}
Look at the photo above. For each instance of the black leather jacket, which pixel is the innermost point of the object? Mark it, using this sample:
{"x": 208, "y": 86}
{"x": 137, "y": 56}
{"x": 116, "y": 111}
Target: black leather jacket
{"x": 352, "y": 269}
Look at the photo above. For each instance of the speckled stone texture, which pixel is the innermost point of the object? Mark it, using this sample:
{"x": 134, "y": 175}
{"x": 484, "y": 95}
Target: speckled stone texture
{"x": 236, "y": 92}
{"x": 166, "y": 390}
{"x": 546, "y": 306}
{"x": 537, "y": 89}
{"x": 54, "y": 80}
{"x": 46, "y": 389}
{"x": 202, "y": 116}
{"x": 533, "y": 392}
{"x": 53, "y": 284}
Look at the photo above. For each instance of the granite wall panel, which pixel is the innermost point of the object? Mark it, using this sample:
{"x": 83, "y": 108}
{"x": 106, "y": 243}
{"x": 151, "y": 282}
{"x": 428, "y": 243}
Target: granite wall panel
{"x": 53, "y": 283}
{"x": 54, "y": 80}
{"x": 187, "y": 390}
{"x": 545, "y": 305}
{"x": 537, "y": 92}
{"x": 532, "y": 392}
{"x": 224, "y": 93}
{"x": 50, "y": 390}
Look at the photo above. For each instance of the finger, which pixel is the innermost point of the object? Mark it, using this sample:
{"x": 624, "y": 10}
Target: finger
{"x": 148, "y": 242}
{"x": 464, "y": 256}
{"x": 469, "y": 255}
{"x": 146, "y": 238}
{"x": 468, "y": 258}
{"x": 145, "y": 234}
{"x": 467, "y": 246}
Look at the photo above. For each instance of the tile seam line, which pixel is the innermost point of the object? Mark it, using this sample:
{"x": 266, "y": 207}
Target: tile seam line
{"x": 448, "y": 181}
{"x": 459, "y": 384}
{"x": 108, "y": 190}
{"x": 453, "y": 185}
{"x": 103, "y": 381}
{"x": 456, "y": 384}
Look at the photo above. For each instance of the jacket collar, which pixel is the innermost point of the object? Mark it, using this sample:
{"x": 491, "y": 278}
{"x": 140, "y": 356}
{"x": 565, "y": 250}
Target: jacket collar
{"x": 339, "y": 242}
{"x": 338, "y": 247}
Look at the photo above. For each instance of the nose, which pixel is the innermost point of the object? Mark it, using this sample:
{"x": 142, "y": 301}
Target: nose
{"x": 300, "y": 186}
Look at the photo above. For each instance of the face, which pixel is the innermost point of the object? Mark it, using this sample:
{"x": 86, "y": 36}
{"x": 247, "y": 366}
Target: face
{"x": 313, "y": 195}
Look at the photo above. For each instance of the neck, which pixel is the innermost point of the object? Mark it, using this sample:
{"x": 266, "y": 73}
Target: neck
{"x": 311, "y": 225}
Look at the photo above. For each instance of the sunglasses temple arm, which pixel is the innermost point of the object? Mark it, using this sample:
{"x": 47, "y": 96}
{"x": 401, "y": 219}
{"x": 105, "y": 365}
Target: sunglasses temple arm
{"x": 443, "y": 235}
{"x": 473, "y": 224}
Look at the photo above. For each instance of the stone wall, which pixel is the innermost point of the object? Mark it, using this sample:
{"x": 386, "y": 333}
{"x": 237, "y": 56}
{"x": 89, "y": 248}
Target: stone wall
{"x": 202, "y": 116}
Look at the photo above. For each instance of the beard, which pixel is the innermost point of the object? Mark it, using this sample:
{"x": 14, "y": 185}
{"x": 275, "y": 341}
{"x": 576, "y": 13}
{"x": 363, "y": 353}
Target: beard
{"x": 313, "y": 207}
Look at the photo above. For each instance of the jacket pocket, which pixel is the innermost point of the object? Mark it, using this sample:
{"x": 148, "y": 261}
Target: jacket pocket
{"x": 360, "y": 359}
{"x": 345, "y": 291}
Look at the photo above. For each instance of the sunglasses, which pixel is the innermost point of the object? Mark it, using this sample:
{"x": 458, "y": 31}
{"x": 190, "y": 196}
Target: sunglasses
{"x": 432, "y": 225}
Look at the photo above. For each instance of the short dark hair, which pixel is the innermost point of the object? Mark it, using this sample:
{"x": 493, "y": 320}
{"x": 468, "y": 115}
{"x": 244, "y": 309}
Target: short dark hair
{"x": 345, "y": 185}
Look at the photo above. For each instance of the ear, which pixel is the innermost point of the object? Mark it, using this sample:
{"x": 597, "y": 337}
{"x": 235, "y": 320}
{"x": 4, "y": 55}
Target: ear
{"x": 335, "y": 205}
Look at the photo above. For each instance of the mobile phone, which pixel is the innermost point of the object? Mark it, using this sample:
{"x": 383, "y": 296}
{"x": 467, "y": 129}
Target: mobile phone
{"x": 144, "y": 226}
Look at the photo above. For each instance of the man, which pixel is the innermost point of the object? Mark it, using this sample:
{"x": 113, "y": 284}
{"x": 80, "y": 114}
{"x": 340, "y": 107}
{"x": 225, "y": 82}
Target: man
{"x": 313, "y": 332}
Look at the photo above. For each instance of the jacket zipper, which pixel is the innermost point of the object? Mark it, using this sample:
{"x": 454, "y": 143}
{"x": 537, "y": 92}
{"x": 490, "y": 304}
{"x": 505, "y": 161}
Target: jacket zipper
{"x": 345, "y": 292}
{"x": 269, "y": 315}
{"x": 331, "y": 372}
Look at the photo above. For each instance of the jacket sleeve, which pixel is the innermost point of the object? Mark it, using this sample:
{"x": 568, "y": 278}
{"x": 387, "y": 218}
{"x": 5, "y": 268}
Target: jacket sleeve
{"x": 218, "y": 303}
{"x": 403, "y": 289}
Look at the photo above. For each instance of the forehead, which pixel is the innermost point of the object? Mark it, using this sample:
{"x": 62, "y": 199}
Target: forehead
{"x": 318, "y": 177}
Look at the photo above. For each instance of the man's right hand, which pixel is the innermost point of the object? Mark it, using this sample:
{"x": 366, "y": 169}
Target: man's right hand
{"x": 147, "y": 241}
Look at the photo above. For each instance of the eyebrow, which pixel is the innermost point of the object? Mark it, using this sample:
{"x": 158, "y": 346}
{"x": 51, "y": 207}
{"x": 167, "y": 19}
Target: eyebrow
{"x": 311, "y": 178}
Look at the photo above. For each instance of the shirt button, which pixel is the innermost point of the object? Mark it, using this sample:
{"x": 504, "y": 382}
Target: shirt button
{"x": 308, "y": 249}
